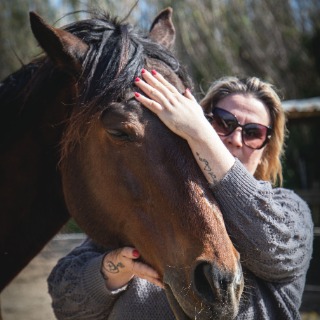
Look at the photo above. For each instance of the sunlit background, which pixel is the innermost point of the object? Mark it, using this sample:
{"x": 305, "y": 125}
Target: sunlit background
{"x": 278, "y": 41}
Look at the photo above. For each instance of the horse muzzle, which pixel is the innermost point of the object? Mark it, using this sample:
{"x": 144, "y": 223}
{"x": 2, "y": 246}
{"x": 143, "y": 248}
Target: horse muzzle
{"x": 211, "y": 294}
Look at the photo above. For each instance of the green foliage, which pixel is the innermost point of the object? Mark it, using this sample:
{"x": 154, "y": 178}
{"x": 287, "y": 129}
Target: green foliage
{"x": 17, "y": 44}
{"x": 71, "y": 227}
{"x": 274, "y": 40}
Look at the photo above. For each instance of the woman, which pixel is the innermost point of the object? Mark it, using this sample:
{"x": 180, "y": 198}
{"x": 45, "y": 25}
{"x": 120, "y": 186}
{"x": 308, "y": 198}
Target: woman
{"x": 239, "y": 152}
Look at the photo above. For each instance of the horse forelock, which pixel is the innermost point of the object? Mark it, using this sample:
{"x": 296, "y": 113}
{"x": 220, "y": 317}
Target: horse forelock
{"x": 117, "y": 53}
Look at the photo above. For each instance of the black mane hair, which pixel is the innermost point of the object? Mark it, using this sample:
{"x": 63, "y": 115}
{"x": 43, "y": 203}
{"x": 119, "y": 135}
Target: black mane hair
{"x": 117, "y": 53}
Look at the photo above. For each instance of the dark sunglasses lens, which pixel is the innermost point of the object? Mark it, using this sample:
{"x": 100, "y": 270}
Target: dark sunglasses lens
{"x": 224, "y": 122}
{"x": 254, "y": 135}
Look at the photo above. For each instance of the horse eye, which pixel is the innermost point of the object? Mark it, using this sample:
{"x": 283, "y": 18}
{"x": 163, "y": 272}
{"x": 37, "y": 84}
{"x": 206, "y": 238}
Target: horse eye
{"x": 118, "y": 134}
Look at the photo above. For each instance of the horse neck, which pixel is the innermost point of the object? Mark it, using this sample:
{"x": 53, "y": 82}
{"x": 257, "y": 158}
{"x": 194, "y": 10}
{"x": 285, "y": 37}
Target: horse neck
{"x": 30, "y": 187}
{"x": 36, "y": 95}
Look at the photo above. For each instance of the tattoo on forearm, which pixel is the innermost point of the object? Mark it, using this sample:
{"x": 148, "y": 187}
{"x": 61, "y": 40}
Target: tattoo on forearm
{"x": 113, "y": 268}
{"x": 207, "y": 168}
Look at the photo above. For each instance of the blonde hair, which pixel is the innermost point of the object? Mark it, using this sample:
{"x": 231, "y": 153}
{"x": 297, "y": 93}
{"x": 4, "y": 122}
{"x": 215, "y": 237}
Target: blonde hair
{"x": 269, "y": 168}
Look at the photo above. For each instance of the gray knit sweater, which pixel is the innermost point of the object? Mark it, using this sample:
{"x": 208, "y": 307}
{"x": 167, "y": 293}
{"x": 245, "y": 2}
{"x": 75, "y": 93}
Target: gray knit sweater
{"x": 271, "y": 228}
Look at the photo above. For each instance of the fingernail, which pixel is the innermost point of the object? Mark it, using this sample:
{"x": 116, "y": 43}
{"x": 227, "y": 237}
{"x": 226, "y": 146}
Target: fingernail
{"x": 137, "y": 79}
{"x": 137, "y": 94}
{"x": 154, "y": 72}
{"x": 143, "y": 71}
{"x": 136, "y": 253}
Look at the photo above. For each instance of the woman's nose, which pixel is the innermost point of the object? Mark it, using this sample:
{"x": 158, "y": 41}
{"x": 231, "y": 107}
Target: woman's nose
{"x": 235, "y": 138}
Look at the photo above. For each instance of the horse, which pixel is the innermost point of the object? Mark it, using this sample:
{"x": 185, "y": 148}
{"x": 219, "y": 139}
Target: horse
{"x": 75, "y": 143}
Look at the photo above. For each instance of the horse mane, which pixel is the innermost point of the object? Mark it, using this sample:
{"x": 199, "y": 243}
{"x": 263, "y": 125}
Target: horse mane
{"x": 15, "y": 90}
{"x": 117, "y": 53}
{"x": 14, "y": 83}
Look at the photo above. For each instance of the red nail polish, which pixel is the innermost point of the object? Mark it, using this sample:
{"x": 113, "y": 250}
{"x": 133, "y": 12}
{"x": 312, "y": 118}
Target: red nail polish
{"x": 143, "y": 71}
{"x": 137, "y": 94}
{"x": 154, "y": 72}
{"x": 136, "y": 253}
{"x": 137, "y": 79}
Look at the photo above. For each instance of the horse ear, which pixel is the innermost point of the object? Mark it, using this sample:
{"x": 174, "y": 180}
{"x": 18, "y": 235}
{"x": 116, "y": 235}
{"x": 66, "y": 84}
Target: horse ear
{"x": 162, "y": 29}
{"x": 62, "y": 47}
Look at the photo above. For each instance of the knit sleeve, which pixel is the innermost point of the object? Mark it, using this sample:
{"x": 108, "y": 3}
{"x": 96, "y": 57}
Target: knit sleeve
{"x": 271, "y": 228}
{"x": 77, "y": 287}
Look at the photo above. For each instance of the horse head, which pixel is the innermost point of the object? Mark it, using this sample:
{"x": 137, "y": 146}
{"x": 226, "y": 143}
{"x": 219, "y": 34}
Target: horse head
{"x": 127, "y": 179}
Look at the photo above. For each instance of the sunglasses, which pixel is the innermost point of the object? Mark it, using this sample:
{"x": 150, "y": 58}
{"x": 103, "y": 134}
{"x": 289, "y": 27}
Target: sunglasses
{"x": 254, "y": 135}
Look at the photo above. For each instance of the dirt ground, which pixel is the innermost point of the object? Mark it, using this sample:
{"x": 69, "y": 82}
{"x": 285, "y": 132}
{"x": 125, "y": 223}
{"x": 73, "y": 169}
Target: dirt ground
{"x": 27, "y": 296}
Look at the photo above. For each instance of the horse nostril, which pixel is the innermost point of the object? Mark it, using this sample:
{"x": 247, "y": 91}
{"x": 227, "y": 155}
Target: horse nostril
{"x": 218, "y": 288}
{"x": 214, "y": 285}
{"x": 203, "y": 282}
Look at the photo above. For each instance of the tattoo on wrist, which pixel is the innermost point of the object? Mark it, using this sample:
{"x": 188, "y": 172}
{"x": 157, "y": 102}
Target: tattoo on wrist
{"x": 207, "y": 168}
{"x": 113, "y": 268}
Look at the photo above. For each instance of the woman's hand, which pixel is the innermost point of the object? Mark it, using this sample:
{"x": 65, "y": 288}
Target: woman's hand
{"x": 180, "y": 113}
{"x": 120, "y": 266}
{"x": 184, "y": 116}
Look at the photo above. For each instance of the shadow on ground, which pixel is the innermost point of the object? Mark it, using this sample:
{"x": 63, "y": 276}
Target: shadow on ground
{"x": 27, "y": 296}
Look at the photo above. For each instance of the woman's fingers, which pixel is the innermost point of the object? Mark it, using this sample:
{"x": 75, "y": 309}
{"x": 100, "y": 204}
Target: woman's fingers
{"x": 155, "y": 281}
{"x": 169, "y": 88}
{"x": 157, "y": 88}
{"x": 122, "y": 264}
{"x": 161, "y": 94}
{"x": 128, "y": 252}
{"x": 120, "y": 261}
{"x": 157, "y": 97}
{"x": 180, "y": 113}
{"x": 150, "y": 104}
{"x": 189, "y": 95}
{"x": 156, "y": 79}
{"x": 142, "y": 270}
